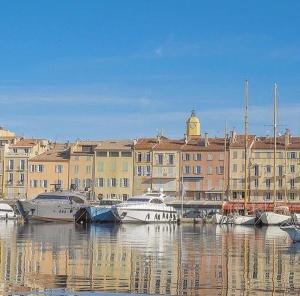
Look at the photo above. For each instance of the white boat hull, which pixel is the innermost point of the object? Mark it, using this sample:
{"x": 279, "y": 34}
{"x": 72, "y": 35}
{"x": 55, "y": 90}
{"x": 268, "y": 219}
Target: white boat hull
{"x": 293, "y": 232}
{"x": 271, "y": 218}
{"x": 140, "y": 214}
{"x": 244, "y": 220}
{"x": 219, "y": 219}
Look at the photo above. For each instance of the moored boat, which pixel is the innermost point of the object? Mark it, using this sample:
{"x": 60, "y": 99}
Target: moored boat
{"x": 52, "y": 206}
{"x": 244, "y": 220}
{"x": 279, "y": 216}
{"x": 218, "y": 218}
{"x": 293, "y": 231}
{"x": 6, "y": 211}
{"x": 147, "y": 208}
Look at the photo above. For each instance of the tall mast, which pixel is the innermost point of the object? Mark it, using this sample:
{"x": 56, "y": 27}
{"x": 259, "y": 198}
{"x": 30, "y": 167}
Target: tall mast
{"x": 246, "y": 145}
{"x": 224, "y": 163}
{"x": 275, "y": 133}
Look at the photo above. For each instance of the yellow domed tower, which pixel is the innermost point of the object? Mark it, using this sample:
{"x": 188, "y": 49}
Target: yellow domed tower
{"x": 193, "y": 126}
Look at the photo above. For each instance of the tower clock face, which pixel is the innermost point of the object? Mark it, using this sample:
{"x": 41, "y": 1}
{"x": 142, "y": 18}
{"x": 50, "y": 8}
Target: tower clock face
{"x": 193, "y": 125}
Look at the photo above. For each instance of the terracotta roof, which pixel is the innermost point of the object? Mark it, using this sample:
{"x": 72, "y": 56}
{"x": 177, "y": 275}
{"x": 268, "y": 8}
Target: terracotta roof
{"x": 166, "y": 144}
{"x": 115, "y": 145}
{"x": 26, "y": 143}
{"x": 145, "y": 143}
{"x": 239, "y": 141}
{"x": 53, "y": 155}
{"x": 214, "y": 144}
{"x": 268, "y": 143}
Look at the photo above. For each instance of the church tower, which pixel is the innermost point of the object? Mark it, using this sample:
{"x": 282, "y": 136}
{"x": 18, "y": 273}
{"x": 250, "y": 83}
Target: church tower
{"x": 193, "y": 126}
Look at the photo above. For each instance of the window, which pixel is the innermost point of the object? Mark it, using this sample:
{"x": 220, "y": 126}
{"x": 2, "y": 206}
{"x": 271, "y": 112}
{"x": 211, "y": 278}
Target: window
{"x": 22, "y": 178}
{"x": 292, "y": 196}
{"x": 148, "y": 170}
{"x": 280, "y": 170}
{"x": 100, "y": 182}
{"x": 43, "y": 183}
{"x": 88, "y": 169}
{"x": 76, "y": 169}
{"x": 58, "y": 168}
{"x": 235, "y": 154}
{"x": 15, "y": 150}
{"x": 160, "y": 158}
{"x": 268, "y": 168}
{"x": 279, "y": 183}
{"x": 234, "y": 167}
{"x": 139, "y": 157}
{"x": 209, "y": 170}
{"x": 87, "y": 149}
{"x": 171, "y": 159}
{"x": 114, "y": 153}
{"x": 234, "y": 195}
{"x": 256, "y": 170}
{"x": 113, "y": 182}
{"x": 102, "y": 153}
{"x": 293, "y": 155}
{"x": 139, "y": 170}
{"x": 148, "y": 157}
{"x": 88, "y": 183}
{"x": 292, "y": 169}
{"x": 209, "y": 156}
{"x": 268, "y": 196}
{"x": 292, "y": 183}
{"x": 187, "y": 156}
{"x": 26, "y": 150}
{"x": 279, "y": 196}
{"x": 256, "y": 183}
{"x": 22, "y": 164}
{"x": 11, "y": 164}
{"x": 125, "y": 182}
{"x": 32, "y": 168}
{"x": 10, "y": 178}
{"x": 187, "y": 169}
{"x": 198, "y": 169}
{"x": 126, "y": 153}
{"x": 198, "y": 156}
{"x": 268, "y": 183}
{"x": 220, "y": 170}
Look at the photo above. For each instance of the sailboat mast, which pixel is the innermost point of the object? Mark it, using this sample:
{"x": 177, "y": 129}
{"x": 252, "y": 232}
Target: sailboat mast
{"x": 275, "y": 144}
{"x": 224, "y": 163}
{"x": 246, "y": 146}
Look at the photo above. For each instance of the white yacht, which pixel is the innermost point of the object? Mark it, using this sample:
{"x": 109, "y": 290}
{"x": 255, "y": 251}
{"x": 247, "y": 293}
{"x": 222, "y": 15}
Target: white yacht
{"x": 244, "y": 220}
{"x": 279, "y": 216}
{"x": 147, "y": 208}
{"x": 52, "y": 206}
{"x": 6, "y": 211}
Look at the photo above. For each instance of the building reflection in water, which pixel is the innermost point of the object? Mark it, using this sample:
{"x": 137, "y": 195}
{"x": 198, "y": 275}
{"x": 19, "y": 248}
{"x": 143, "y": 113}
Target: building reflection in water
{"x": 151, "y": 259}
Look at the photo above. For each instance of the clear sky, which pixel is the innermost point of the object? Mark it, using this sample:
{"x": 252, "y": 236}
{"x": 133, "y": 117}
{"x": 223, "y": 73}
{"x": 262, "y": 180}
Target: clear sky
{"x": 124, "y": 69}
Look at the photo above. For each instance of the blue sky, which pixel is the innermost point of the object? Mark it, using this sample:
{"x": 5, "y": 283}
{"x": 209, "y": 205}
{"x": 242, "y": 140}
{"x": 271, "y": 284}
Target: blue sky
{"x": 124, "y": 69}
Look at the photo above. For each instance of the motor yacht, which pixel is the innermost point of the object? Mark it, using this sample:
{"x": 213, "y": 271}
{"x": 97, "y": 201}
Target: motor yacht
{"x": 147, "y": 208}
{"x": 52, "y": 206}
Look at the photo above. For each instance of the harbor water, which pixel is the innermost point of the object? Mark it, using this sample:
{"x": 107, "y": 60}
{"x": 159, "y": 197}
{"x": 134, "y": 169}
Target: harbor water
{"x": 156, "y": 259}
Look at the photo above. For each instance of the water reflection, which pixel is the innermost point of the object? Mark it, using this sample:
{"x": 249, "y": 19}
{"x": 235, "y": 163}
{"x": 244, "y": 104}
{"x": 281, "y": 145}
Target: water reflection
{"x": 150, "y": 259}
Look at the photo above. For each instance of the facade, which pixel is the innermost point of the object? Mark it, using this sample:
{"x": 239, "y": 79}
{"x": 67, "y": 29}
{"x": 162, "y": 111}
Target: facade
{"x": 82, "y": 166}
{"x": 48, "y": 170}
{"x": 16, "y": 156}
{"x": 203, "y": 168}
{"x": 114, "y": 170}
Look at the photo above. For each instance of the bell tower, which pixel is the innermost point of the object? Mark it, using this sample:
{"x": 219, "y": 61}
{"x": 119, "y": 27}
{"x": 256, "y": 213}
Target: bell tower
{"x": 193, "y": 126}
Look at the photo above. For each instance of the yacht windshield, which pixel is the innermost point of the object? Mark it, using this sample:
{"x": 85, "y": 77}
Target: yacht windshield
{"x": 51, "y": 197}
{"x": 138, "y": 200}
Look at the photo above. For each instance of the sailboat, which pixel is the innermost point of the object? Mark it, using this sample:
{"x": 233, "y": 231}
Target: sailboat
{"x": 245, "y": 219}
{"x": 280, "y": 214}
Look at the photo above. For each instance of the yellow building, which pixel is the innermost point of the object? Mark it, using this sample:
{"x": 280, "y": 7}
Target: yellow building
{"x": 15, "y": 177}
{"x": 193, "y": 128}
{"x": 49, "y": 169}
{"x": 82, "y": 166}
{"x": 114, "y": 170}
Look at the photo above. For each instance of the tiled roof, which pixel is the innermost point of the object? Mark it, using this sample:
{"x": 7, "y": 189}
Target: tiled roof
{"x": 53, "y": 155}
{"x": 115, "y": 145}
{"x": 268, "y": 143}
{"x": 145, "y": 143}
{"x": 26, "y": 143}
{"x": 239, "y": 141}
{"x": 214, "y": 144}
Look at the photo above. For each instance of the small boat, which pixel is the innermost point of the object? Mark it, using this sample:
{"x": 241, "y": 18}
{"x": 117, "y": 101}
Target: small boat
{"x": 293, "y": 231}
{"x": 7, "y": 212}
{"x": 101, "y": 213}
{"x": 52, "y": 206}
{"x": 279, "y": 216}
{"x": 218, "y": 218}
{"x": 244, "y": 220}
{"x": 147, "y": 208}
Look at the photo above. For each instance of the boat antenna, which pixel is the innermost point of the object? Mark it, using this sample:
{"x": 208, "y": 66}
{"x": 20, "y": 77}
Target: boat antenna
{"x": 246, "y": 145}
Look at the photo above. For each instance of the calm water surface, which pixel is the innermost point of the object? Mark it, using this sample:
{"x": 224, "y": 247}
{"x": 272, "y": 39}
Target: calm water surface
{"x": 67, "y": 259}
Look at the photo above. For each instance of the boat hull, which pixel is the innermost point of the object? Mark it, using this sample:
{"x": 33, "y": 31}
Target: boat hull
{"x": 150, "y": 215}
{"x": 219, "y": 219}
{"x": 271, "y": 218}
{"x": 293, "y": 232}
{"x": 244, "y": 220}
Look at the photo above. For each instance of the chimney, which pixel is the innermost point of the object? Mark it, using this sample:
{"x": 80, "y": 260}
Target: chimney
{"x": 206, "y": 143}
{"x": 287, "y": 136}
{"x": 135, "y": 142}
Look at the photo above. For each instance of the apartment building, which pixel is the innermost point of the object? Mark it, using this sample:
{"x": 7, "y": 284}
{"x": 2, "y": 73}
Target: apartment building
{"x": 261, "y": 172}
{"x": 16, "y": 158}
{"x": 82, "y": 166}
{"x": 203, "y": 168}
{"x": 114, "y": 170}
{"x": 48, "y": 170}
